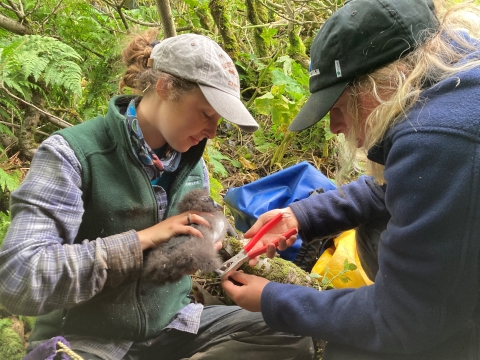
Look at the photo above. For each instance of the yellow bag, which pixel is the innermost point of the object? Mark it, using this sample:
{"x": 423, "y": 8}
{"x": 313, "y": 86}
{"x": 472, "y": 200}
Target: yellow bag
{"x": 332, "y": 262}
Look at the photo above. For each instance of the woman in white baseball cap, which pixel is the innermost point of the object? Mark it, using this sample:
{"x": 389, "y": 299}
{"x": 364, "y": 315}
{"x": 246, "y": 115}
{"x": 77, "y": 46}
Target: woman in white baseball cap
{"x": 99, "y": 195}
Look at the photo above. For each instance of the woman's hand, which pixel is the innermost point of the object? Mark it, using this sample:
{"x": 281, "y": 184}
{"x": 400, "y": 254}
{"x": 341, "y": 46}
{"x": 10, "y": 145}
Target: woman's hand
{"x": 287, "y": 222}
{"x": 249, "y": 294}
{"x": 170, "y": 227}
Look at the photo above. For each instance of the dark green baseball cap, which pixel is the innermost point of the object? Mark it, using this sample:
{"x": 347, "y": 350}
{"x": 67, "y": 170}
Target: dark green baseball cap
{"x": 360, "y": 37}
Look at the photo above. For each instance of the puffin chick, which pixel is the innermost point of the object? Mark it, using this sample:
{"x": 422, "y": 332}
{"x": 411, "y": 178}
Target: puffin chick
{"x": 183, "y": 254}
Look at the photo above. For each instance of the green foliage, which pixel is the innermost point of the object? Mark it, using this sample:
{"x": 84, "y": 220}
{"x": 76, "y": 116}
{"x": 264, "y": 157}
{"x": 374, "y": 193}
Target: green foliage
{"x": 41, "y": 58}
{"x": 288, "y": 93}
{"x": 7, "y": 109}
{"x": 10, "y": 181}
{"x": 100, "y": 46}
{"x": 215, "y": 188}
{"x": 11, "y": 345}
{"x": 325, "y": 281}
{"x": 197, "y": 15}
{"x": 249, "y": 65}
{"x": 213, "y": 158}
{"x": 285, "y": 98}
{"x": 268, "y": 35}
{"x": 262, "y": 142}
{"x": 4, "y": 323}
{"x": 4, "y": 224}
{"x": 28, "y": 323}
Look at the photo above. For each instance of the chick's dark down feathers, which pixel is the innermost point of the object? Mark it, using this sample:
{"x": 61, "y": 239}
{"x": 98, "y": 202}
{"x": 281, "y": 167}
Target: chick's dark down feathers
{"x": 183, "y": 254}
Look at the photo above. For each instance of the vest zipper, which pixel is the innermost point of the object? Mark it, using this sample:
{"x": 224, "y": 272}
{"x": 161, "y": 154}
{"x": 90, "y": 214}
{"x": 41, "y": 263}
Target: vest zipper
{"x": 142, "y": 311}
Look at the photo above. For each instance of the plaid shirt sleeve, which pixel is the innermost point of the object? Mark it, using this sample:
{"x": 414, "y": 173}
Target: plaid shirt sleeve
{"x": 41, "y": 269}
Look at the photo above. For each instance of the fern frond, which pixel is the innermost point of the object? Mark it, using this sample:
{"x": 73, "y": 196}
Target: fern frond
{"x": 4, "y": 114}
{"x": 4, "y": 224}
{"x": 9, "y": 181}
{"x": 9, "y": 106}
{"x": 9, "y": 60}
{"x": 66, "y": 74}
{"x": 5, "y": 130}
{"x": 43, "y": 58}
{"x": 5, "y": 322}
{"x": 40, "y": 65}
{"x": 12, "y": 84}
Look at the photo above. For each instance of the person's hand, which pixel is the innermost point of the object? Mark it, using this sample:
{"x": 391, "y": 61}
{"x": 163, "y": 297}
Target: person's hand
{"x": 287, "y": 222}
{"x": 249, "y": 294}
{"x": 217, "y": 245}
{"x": 173, "y": 226}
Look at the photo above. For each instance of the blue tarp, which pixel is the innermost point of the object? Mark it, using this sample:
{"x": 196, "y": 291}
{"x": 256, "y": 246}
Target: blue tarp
{"x": 275, "y": 191}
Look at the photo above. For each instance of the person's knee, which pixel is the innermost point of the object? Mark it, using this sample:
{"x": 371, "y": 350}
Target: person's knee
{"x": 344, "y": 352}
{"x": 87, "y": 356}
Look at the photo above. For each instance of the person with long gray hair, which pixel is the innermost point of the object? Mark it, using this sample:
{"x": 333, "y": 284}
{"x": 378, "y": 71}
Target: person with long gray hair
{"x": 401, "y": 81}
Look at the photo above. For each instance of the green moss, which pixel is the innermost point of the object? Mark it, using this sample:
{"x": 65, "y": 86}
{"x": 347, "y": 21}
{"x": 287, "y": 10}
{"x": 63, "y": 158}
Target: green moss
{"x": 206, "y": 19}
{"x": 218, "y": 9}
{"x": 308, "y": 43}
{"x": 296, "y": 45}
{"x": 11, "y": 345}
{"x": 257, "y": 15}
{"x": 235, "y": 245}
{"x": 276, "y": 269}
{"x": 3, "y": 312}
{"x": 281, "y": 271}
{"x": 28, "y": 322}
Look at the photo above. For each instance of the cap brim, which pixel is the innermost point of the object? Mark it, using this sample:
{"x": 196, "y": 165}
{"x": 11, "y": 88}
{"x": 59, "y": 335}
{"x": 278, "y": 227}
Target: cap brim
{"x": 317, "y": 106}
{"x": 230, "y": 108}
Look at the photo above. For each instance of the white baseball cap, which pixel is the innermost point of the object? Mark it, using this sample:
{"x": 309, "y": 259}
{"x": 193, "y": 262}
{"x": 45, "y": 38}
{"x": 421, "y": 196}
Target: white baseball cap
{"x": 199, "y": 59}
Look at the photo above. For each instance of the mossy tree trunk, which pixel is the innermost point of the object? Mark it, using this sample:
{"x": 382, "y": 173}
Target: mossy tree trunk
{"x": 28, "y": 127}
{"x": 206, "y": 19}
{"x": 296, "y": 49}
{"x": 218, "y": 8}
{"x": 257, "y": 15}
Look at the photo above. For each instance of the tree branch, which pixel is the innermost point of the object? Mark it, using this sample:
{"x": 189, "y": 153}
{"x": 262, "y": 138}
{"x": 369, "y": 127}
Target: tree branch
{"x": 166, "y": 18}
{"x": 33, "y": 9}
{"x": 16, "y": 126}
{"x": 122, "y": 16}
{"x": 55, "y": 9}
{"x": 118, "y": 8}
{"x": 20, "y": 4}
{"x": 281, "y": 15}
{"x": 79, "y": 44}
{"x": 263, "y": 74}
{"x": 274, "y": 5}
{"x": 52, "y": 118}
{"x": 139, "y": 22}
{"x": 15, "y": 9}
{"x": 113, "y": 5}
{"x": 185, "y": 28}
{"x": 13, "y": 26}
{"x": 144, "y": 23}
{"x": 274, "y": 24}
{"x": 88, "y": 49}
{"x": 6, "y": 7}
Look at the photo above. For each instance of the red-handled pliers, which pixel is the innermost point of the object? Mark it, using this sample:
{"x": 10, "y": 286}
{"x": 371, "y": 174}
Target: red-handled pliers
{"x": 247, "y": 253}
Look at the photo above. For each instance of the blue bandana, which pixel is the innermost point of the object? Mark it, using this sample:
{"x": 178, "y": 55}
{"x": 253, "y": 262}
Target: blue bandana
{"x": 154, "y": 166}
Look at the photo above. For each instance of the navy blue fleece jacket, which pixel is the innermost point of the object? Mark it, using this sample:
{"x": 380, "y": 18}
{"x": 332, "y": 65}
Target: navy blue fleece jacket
{"x": 425, "y": 301}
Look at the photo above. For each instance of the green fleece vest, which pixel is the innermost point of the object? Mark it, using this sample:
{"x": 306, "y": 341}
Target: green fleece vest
{"x": 118, "y": 197}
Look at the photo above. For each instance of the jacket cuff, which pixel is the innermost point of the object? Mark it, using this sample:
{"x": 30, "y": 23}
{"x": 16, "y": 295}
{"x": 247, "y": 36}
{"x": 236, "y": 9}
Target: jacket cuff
{"x": 268, "y": 304}
{"x": 123, "y": 257}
